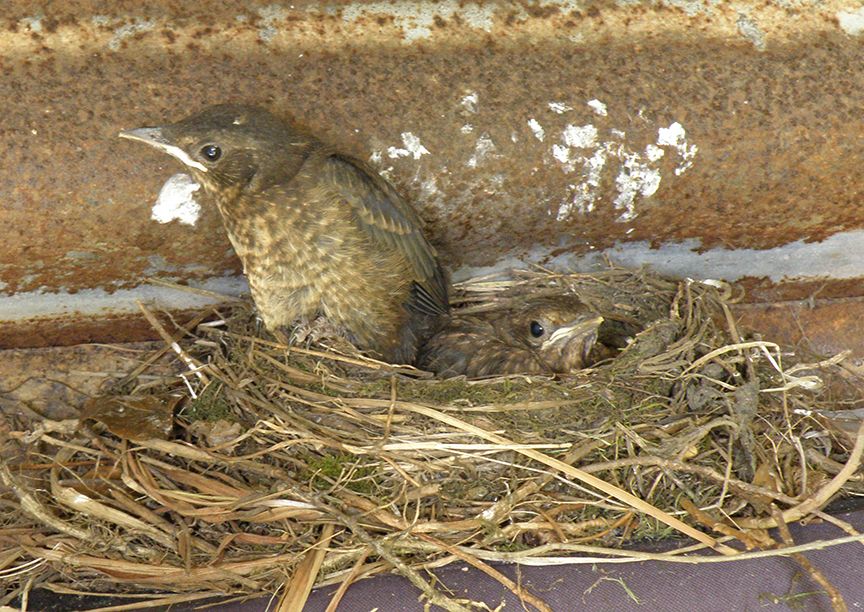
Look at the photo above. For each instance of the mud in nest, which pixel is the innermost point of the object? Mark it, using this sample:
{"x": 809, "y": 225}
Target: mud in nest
{"x": 285, "y": 466}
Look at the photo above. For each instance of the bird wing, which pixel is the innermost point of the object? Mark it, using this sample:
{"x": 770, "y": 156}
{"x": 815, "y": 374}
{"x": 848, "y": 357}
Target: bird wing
{"x": 392, "y": 222}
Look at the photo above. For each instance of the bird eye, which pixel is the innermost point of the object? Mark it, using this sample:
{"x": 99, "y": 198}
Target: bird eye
{"x": 537, "y": 329}
{"x": 211, "y": 152}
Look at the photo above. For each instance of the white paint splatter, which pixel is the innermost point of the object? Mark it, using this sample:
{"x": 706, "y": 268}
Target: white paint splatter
{"x": 635, "y": 177}
{"x": 176, "y": 201}
{"x": 559, "y": 107}
{"x": 467, "y": 128}
{"x": 579, "y": 137}
{"x": 851, "y": 22}
{"x": 561, "y": 153}
{"x": 654, "y": 153}
{"x": 269, "y": 17}
{"x": 416, "y": 19}
{"x": 638, "y": 173}
{"x": 676, "y": 136}
{"x": 412, "y": 147}
{"x": 584, "y": 195}
{"x": 537, "y": 129}
{"x": 482, "y": 150}
{"x": 583, "y": 137}
{"x": 376, "y": 157}
{"x": 130, "y": 29}
{"x": 469, "y": 102}
{"x": 598, "y": 107}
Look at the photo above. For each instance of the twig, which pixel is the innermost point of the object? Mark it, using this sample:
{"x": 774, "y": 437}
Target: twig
{"x": 823, "y": 496}
{"x": 298, "y": 589}
{"x": 611, "y": 490}
{"x": 837, "y": 602}
{"x": 518, "y": 590}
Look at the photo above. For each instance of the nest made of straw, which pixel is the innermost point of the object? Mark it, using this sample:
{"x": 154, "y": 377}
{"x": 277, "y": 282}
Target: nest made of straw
{"x": 292, "y": 465}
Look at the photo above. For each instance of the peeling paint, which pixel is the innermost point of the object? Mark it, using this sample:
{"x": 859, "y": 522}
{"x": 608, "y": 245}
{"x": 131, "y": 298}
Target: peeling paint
{"x": 581, "y": 137}
{"x": 598, "y": 107}
{"x": 269, "y": 17}
{"x": 562, "y": 154}
{"x": 412, "y": 147}
{"x": 676, "y": 136}
{"x": 635, "y": 178}
{"x": 416, "y": 19}
{"x": 583, "y": 195}
{"x": 638, "y": 174}
{"x": 537, "y": 129}
{"x": 138, "y": 25}
{"x": 469, "y": 102}
{"x": 851, "y": 22}
{"x": 559, "y": 107}
{"x": 176, "y": 201}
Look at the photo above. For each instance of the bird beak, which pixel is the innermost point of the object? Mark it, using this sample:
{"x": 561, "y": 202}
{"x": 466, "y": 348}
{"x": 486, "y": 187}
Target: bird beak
{"x": 579, "y": 329}
{"x": 578, "y": 338}
{"x": 155, "y": 137}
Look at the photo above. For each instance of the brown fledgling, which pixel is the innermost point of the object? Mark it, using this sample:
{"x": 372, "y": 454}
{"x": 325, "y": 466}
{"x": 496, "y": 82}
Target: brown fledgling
{"x": 318, "y": 232}
{"x": 543, "y": 335}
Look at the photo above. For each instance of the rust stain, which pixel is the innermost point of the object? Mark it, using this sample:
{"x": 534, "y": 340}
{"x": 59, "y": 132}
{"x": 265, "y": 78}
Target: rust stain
{"x": 73, "y": 330}
{"x": 776, "y": 130}
{"x": 823, "y": 328}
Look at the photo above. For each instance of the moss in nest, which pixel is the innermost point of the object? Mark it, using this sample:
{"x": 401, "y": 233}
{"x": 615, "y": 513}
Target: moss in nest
{"x": 327, "y": 471}
{"x": 211, "y": 405}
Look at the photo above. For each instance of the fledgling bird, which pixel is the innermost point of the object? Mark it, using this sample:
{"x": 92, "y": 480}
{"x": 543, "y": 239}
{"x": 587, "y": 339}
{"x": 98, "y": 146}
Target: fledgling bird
{"x": 543, "y": 335}
{"x": 318, "y": 232}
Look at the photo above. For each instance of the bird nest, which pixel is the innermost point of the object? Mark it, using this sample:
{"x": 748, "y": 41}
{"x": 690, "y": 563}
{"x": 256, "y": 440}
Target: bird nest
{"x": 230, "y": 461}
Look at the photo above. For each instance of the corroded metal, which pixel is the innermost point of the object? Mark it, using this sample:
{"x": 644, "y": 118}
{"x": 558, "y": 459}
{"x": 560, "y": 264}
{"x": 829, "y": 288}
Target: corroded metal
{"x": 530, "y": 128}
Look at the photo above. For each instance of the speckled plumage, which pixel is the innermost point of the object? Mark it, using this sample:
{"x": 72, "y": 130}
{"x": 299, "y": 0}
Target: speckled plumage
{"x": 318, "y": 232}
{"x": 501, "y": 342}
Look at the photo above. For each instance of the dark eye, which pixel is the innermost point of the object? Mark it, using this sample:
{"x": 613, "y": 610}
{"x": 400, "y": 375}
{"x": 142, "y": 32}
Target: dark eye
{"x": 211, "y": 152}
{"x": 537, "y": 329}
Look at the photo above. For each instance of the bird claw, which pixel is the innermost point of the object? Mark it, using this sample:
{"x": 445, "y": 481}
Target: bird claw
{"x": 308, "y": 333}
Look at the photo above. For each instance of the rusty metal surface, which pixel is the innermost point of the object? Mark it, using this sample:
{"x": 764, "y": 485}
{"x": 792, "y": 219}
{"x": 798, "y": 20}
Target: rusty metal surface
{"x": 821, "y": 328}
{"x": 516, "y": 128}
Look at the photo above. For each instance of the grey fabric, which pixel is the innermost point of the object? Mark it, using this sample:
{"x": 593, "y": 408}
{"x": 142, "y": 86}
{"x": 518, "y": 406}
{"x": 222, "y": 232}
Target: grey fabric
{"x": 758, "y": 585}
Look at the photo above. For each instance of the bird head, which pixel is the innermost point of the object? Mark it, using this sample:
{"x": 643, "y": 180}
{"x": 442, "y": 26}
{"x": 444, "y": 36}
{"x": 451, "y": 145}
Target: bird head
{"x": 560, "y": 329}
{"x": 230, "y": 147}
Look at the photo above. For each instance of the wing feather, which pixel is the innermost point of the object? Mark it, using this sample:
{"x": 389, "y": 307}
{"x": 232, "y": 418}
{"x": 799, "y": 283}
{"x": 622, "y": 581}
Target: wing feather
{"x": 391, "y": 222}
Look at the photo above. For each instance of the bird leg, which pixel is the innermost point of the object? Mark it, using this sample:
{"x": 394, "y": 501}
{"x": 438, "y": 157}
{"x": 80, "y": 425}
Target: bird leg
{"x": 308, "y": 331}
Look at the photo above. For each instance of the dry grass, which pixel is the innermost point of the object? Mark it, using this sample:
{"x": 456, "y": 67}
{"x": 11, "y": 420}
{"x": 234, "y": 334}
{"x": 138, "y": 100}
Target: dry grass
{"x": 294, "y": 466}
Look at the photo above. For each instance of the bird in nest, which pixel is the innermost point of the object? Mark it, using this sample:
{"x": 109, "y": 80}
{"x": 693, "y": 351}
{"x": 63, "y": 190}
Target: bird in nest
{"x": 534, "y": 335}
{"x": 319, "y": 233}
